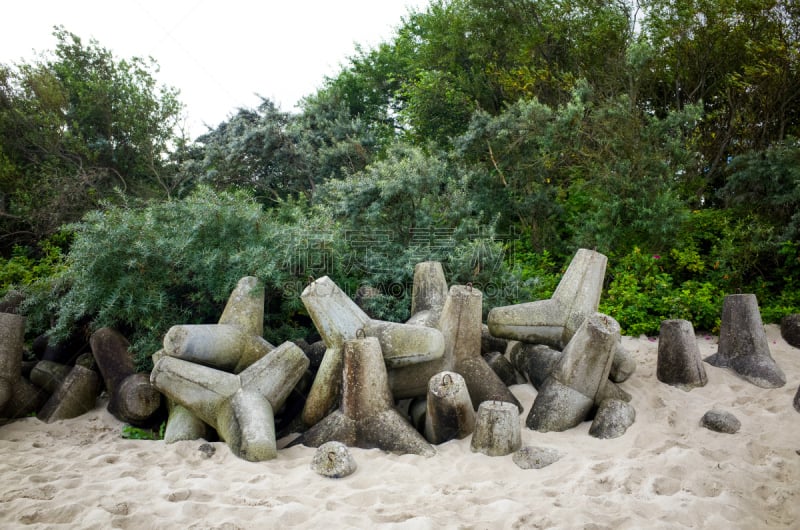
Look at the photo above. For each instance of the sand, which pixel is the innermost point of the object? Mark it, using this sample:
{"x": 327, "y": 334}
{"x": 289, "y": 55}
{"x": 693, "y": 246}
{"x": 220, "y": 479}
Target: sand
{"x": 666, "y": 472}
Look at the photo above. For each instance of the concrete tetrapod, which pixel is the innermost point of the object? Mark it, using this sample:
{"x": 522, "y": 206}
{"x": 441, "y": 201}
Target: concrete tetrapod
{"x": 743, "y": 344}
{"x": 367, "y": 417}
{"x": 240, "y": 407}
{"x": 573, "y": 387}
{"x": 553, "y": 322}
{"x": 338, "y": 319}
{"x": 233, "y": 344}
{"x": 460, "y": 325}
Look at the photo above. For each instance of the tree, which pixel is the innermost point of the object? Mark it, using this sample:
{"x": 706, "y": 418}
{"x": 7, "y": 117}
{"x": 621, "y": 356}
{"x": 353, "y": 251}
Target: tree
{"x": 740, "y": 58}
{"x": 75, "y": 126}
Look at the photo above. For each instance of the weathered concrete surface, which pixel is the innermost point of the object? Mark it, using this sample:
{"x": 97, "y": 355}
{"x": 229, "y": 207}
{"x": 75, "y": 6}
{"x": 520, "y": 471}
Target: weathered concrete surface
{"x": 132, "y": 398}
{"x": 743, "y": 344}
{"x": 449, "y": 413}
{"x": 612, "y": 419}
{"x": 220, "y": 346}
{"x": 679, "y": 362}
{"x": 428, "y": 293}
{"x": 460, "y": 325}
{"x": 12, "y": 337}
{"x": 49, "y": 375}
{"x": 182, "y": 424}
{"x": 75, "y": 396}
{"x": 240, "y": 407}
{"x": 575, "y": 383}
{"x": 790, "y": 329}
{"x": 338, "y": 319}
{"x": 245, "y": 308}
{"x": 497, "y": 430}
{"x": 235, "y": 342}
{"x": 367, "y": 417}
{"x": 553, "y": 322}
{"x": 333, "y": 460}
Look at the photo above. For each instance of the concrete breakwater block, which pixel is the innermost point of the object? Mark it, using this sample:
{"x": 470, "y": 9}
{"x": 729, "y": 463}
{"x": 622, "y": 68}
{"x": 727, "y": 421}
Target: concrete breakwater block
{"x": 497, "y": 429}
{"x": 679, "y": 362}
{"x": 743, "y": 344}
{"x": 366, "y": 417}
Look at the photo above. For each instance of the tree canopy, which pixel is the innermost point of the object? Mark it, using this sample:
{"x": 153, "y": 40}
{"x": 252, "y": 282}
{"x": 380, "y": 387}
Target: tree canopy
{"x": 497, "y": 137}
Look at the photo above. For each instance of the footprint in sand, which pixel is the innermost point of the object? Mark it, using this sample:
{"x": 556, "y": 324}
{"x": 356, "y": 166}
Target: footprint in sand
{"x": 666, "y": 486}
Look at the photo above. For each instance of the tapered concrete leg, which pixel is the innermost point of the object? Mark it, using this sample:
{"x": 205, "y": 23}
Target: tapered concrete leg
{"x": 247, "y": 425}
{"x": 245, "y": 307}
{"x": 183, "y": 424}
{"x": 428, "y": 294}
{"x": 497, "y": 430}
{"x": 679, "y": 363}
{"x": 75, "y": 396}
{"x": 449, "y": 413}
{"x": 12, "y": 336}
{"x": 132, "y": 398}
{"x": 743, "y": 344}
{"x": 461, "y": 326}
{"x": 219, "y": 345}
{"x": 367, "y": 417}
{"x": 49, "y": 375}
{"x": 573, "y": 386}
{"x": 553, "y": 322}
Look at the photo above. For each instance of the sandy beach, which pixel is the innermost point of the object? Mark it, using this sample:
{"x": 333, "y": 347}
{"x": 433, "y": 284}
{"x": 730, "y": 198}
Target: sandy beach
{"x": 667, "y": 471}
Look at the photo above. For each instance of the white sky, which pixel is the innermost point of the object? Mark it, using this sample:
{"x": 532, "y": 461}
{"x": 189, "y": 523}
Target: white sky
{"x": 219, "y": 54}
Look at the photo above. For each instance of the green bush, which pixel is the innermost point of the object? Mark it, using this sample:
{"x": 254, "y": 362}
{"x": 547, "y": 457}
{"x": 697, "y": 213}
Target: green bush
{"x": 642, "y": 293}
{"x": 142, "y": 268}
{"x": 26, "y": 266}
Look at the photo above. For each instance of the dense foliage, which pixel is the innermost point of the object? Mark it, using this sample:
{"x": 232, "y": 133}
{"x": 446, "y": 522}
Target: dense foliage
{"x": 496, "y": 137}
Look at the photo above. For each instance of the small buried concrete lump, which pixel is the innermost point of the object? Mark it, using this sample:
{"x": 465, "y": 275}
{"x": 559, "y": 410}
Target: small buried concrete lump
{"x": 333, "y": 460}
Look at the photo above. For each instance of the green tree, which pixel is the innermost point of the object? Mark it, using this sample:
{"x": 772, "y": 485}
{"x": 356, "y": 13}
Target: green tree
{"x": 74, "y": 126}
{"x": 740, "y": 58}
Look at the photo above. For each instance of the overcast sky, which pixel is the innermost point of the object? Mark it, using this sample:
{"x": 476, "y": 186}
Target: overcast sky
{"x": 219, "y": 54}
